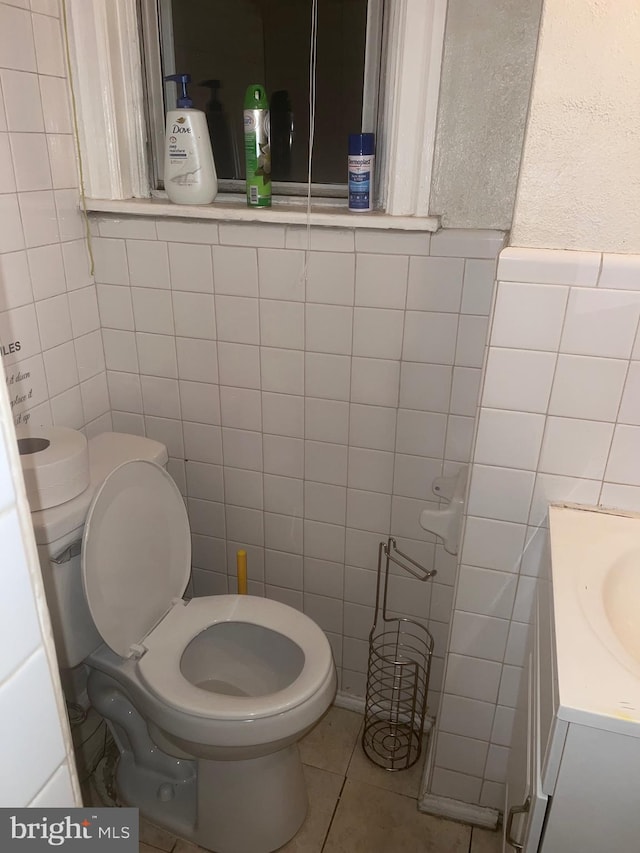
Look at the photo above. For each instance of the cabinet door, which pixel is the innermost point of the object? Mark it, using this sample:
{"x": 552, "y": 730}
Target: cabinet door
{"x": 519, "y": 774}
{"x": 526, "y": 803}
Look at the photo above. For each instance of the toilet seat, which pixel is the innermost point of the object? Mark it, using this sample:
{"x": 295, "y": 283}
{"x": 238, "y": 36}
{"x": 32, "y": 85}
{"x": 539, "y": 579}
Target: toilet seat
{"x": 159, "y": 667}
{"x": 136, "y": 553}
{"x": 134, "y": 582}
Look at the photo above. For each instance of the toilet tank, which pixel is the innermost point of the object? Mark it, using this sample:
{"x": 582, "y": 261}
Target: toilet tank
{"x": 58, "y": 533}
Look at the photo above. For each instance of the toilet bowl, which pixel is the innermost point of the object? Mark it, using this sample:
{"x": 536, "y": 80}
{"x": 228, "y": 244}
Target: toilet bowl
{"x": 206, "y": 698}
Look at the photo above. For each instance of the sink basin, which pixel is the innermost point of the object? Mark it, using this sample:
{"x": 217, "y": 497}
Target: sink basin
{"x": 621, "y": 601}
{"x": 595, "y": 585}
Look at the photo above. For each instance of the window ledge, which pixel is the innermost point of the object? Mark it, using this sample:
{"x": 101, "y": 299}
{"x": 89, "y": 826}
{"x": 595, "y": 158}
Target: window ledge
{"x": 234, "y": 209}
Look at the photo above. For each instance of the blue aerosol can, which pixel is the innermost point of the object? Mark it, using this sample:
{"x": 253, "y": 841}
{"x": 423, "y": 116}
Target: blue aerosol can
{"x": 361, "y": 162}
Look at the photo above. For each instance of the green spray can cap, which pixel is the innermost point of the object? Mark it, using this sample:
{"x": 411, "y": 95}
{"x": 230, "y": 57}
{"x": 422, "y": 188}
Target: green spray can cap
{"x": 256, "y": 98}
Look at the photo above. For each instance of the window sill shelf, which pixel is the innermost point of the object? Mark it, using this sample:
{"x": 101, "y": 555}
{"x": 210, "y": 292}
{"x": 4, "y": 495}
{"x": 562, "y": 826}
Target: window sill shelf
{"x": 234, "y": 209}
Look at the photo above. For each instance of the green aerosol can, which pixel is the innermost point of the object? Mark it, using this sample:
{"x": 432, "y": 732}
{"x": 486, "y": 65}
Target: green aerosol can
{"x": 257, "y": 146}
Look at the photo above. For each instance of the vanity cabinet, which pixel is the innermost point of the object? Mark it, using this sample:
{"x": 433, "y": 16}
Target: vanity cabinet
{"x": 574, "y": 780}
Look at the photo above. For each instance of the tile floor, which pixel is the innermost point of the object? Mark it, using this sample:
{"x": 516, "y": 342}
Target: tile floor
{"x": 354, "y": 806}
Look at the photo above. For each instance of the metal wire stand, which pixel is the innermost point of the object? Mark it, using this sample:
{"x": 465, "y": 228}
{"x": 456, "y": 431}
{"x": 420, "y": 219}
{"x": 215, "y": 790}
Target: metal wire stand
{"x": 400, "y": 652}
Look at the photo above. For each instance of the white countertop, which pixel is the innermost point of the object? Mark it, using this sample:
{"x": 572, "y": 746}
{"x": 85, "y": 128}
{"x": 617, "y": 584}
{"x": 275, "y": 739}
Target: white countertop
{"x": 598, "y": 680}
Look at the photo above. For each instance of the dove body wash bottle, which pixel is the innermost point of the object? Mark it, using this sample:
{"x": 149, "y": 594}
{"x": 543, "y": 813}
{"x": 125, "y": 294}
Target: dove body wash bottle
{"x": 189, "y": 170}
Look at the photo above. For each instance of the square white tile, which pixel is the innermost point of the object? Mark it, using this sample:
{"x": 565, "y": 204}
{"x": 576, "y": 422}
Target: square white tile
{"x": 493, "y": 544}
{"x": 241, "y": 408}
{"x": 16, "y": 39}
{"x": 39, "y": 219}
{"x": 430, "y": 337}
{"x": 477, "y": 291}
{"x": 152, "y": 310}
{"x": 485, "y": 637}
{"x": 509, "y": 439}
{"x": 237, "y": 319}
{"x": 435, "y": 284}
{"x": 375, "y": 381}
{"x": 425, "y": 387}
{"x": 202, "y": 442}
{"x": 371, "y": 470}
{"x": 328, "y": 328}
{"x": 148, "y": 263}
{"x": 22, "y": 101}
{"x": 624, "y": 462}
{"x": 160, "y": 396}
{"x": 283, "y": 495}
{"x": 601, "y": 322}
{"x": 115, "y": 307}
{"x": 194, "y": 315}
{"x": 281, "y": 274}
{"x": 501, "y": 493}
{"x": 282, "y": 370}
{"x": 331, "y": 278}
{"x": 630, "y": 407}
{"x": 421, "y": 433}
{"x": 378, "y": 333}
{"x": 242, "y": 488}
{"x": 576, "y": 448}
{"x": 283, "y": 414}
{"x": 200, "y": 402}
{"x": 589, "y": 388}
{"x": 381, "y": 280}
{"x": 120, "y": 350}
{"x": 372, "y": 426}
{"x": 283, "y": 455}
{"x": 325, "y": 463}
{"x": 369, "y": 511}
{"x": 520, "y": 380}
{"x": 242, "y": 449}
{"x": 327, "y": 376}
{"x": 197, "y": 359}
{"x": 486, "y": 592}
{"x": 191, "y": 267}
{"x": 83, "y": 307}
{"x": 529, "y": 316}
{"x": 325, "y": 502}
{"x": 325, "y": 542}
{"x": 239, "y": 365}
{"x": 322, "y": 577}
{"x": 55, "y": 104}
{"x": 47, "y": 37}
{"x": 326, "y": 420}
{"x": 281, "y": 324}
{"x": 157, "y": 355}
{"x": 235, "y": 271}
{"x": 46, "y": 269}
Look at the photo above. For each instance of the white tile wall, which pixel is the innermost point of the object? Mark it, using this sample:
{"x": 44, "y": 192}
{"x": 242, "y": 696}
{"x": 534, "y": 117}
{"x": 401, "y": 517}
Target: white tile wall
{"x": 558, "y": 422}
{"x": 57, "y": 375}
{"x": 38, "y": 764}
{"x": 312, "y": 406}
{"x": 47, "y": 294}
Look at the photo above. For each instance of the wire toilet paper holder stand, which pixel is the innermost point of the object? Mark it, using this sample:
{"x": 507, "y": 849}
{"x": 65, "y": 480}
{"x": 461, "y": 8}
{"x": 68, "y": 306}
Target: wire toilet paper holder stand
{"x": 400, "y": 651}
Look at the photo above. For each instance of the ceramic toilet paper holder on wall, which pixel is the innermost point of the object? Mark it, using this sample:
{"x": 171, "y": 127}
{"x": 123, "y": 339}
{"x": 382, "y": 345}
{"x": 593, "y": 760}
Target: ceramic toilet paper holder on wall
{"x": 447, "y": 523}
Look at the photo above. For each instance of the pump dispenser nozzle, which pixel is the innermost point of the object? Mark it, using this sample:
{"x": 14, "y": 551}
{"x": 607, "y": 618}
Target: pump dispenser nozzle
{"x": 184, "y": 101}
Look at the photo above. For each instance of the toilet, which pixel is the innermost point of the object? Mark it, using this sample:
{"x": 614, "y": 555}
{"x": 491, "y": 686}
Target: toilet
{"x": 206, "y": 698}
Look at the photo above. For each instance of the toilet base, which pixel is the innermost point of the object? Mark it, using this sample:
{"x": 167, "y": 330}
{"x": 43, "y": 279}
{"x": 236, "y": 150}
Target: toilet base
{"x": 167, "y": 803}
{"x": 253, "y": 805}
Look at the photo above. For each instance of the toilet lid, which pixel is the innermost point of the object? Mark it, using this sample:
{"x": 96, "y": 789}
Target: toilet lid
{"x": 136, "y": 552}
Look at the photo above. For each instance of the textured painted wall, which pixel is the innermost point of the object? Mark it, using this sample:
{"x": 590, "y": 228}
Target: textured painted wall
{"x": 486, "y": 79}
{"x": 580, "y": 181}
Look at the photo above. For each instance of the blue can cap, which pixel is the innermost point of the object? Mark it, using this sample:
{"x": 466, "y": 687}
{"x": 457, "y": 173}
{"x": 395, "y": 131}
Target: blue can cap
{"x": 362, "y": 143}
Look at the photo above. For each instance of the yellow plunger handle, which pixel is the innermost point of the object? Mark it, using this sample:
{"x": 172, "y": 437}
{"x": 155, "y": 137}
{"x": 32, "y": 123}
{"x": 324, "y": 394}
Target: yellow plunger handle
{"x": 241, "y": 563}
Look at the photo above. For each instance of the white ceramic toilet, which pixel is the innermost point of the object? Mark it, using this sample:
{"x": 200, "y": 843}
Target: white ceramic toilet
{"x": 207, "y": 698}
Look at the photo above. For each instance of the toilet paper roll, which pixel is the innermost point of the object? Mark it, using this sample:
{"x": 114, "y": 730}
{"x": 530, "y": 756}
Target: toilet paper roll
{"x": 55, "y": 464}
